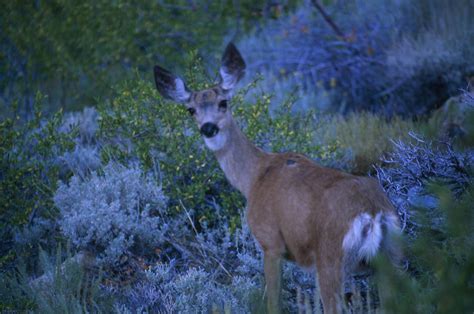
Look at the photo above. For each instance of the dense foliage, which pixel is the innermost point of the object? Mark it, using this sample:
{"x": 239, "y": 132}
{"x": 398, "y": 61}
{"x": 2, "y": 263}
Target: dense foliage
{"x": 30, "y": 168}
{"x": 75, "y": 52}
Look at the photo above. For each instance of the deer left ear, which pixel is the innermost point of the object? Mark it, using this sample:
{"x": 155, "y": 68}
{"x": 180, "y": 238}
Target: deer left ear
{"x": 232, "y": 67}
{"x": 170, "y": 86}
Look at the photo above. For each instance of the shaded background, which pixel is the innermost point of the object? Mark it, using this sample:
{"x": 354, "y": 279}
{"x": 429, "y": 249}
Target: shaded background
{"x": 393, "y": 57}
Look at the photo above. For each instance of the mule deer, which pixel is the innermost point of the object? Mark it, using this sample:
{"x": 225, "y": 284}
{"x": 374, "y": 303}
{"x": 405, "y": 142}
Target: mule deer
{"x": 296, "y": 209}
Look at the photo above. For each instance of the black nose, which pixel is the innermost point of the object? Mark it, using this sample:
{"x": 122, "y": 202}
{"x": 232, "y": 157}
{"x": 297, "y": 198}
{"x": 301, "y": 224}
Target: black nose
{"x": 209, "y": 129}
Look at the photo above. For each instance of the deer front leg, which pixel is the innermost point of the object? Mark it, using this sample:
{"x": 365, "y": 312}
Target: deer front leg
{"x": 272, "y": 269}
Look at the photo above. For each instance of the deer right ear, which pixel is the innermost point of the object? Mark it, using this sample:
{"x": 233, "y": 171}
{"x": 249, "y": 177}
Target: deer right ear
{"x": 170, "y": 86}
{"x": 232, "y": 67}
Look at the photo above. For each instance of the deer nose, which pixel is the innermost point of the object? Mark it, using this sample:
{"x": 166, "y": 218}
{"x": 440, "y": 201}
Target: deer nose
{"x": 209, "y": 129}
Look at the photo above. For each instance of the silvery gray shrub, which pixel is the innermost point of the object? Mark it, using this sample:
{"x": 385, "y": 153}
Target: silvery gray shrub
{"x": 82, "y": 160}
{"x": 86, "y": 122}
{"x": 85, "y": 157}
{"x": 112, "y": 212}
{"x": 169, "y": 290}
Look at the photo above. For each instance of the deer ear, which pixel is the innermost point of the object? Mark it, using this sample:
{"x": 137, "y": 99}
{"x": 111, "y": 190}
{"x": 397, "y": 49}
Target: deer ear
{"x": 170, "y": 86}
{"x": 232, "y": 67}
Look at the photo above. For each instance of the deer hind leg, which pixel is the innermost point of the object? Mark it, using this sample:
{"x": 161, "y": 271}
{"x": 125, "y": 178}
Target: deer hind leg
{"x": 352, "y": 265}
{"x": 391, "y": 245}
{"x": 330, "y": 276}
{"x": 349, "y": 267}
{"x": 391, "y": 248}
{"x": 272, "y": 269}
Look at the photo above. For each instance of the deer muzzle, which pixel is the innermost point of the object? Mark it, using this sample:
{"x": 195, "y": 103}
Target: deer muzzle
{"x": 209, "y": 129}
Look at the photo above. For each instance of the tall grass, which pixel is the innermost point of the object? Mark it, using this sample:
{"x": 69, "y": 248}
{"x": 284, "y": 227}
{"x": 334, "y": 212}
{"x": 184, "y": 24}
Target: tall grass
{"x": 63, "y": 286}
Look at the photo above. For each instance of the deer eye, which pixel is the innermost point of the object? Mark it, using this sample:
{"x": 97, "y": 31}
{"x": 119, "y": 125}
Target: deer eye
{"x": 223, "y": 104}
{"x": 191, "y": 111}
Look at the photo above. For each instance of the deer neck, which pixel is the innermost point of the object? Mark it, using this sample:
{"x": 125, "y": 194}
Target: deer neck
{"x": 240, "y": 160}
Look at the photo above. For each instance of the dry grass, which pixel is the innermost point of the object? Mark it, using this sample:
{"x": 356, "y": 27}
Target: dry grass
{"x": 365, "y": 137}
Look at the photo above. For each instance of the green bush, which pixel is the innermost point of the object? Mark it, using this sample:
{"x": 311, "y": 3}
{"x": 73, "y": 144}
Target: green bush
{"x": 442, "y": 263}
{"x": 29, "y": 171}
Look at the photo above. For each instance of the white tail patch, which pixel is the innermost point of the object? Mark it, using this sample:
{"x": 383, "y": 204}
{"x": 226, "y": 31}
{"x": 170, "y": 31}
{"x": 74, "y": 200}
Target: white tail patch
{"x": 364, "y": 237}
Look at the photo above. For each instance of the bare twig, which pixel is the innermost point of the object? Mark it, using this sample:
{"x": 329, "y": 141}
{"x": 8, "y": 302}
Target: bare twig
{"x": 189, "y": 217}
{"x": 328, "y": 19}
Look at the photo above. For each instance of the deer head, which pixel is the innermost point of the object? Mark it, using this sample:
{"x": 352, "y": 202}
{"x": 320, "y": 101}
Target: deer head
{"x": 208, "y": 107}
